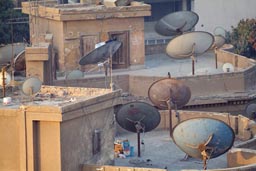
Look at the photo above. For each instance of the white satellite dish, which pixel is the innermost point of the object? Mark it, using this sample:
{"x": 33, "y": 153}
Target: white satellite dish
{"x": 176, "y": 23}
{"x": 190, "y": 44}
{"x": 183, "y": 46}
{"x": 31, "y": 86}
{"x": 228, "y": 67}
{"x": 219, "y": 31}
{"x": 75, "y": 74}
{"x": 7, "y": 77}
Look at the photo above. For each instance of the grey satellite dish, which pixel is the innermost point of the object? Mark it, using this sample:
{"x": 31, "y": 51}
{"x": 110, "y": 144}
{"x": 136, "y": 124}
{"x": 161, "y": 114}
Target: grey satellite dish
{"x": 31, "y": 86}
{"x": 7, "y": 52}
{"x": 219, "y": 31}
{"x": 250, "y": 110}
{"x": 169, "y": 94}
{"x": 75, "y": 74}
{"x": 228, "y": 67}
{"x": 101, "y": 53}
{"x": 176, "y": 23}
{"x": 190, "y": 44}
{"x": 203, "y": 138}
{"x": 138, "y": 117}
{"x": 219, "y": 41}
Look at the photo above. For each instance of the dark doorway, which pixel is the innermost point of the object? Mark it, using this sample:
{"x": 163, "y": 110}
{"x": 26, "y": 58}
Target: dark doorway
{"x": 121, "y": 59}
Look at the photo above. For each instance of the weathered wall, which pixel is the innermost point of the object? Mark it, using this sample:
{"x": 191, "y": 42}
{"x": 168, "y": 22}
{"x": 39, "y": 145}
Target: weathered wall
{"x": 222, "y": 13}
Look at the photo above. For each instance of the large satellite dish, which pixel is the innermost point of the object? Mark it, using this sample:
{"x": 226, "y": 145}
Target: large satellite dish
{"x": 138, "y": 117}
{"x": 7, "y": 52}
{"x": 101, "y": 53}
{"x": 250, "y": 110}
{"x": 31, "y": 86}
{"x": 183, "y": 46}
{"x": 161, "y": 91}
{"x": 176, "y": 23}
{"x": 169, "y": 94}
{"x": 203, "y": 138}
{"x": 190, "y": 44}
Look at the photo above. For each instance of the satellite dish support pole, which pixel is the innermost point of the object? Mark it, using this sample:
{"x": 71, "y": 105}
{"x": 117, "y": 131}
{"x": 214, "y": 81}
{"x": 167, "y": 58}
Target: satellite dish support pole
{"x": 169, "y": 104}
{"x": 193, "y": 58}
{"x": 216, "y": 57}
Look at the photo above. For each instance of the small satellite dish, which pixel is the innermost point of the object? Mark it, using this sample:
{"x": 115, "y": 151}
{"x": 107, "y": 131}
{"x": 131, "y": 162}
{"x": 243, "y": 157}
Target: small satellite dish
{"x": 7, "y": 77}
{"x": 75, "y": 74}
{"x": 101, "y": 53}
{"x": 161, "y": 91}
{"x": 250, "y": 110}
{"x": 219, "y": 41}
{"x": 220, "y": 31}
{"x": 176, "y": 23}
{"x": 228, "y": 67}
{"x": 184, "y": 46}
{"x": 138, "y": 117}
{"x": 203, "y": 138}
{"x": 31, "y": 86}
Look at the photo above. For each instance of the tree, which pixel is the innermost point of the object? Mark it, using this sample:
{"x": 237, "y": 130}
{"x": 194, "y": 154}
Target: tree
{"x": 243, "y": 37}
{"x": 10, "y": 29}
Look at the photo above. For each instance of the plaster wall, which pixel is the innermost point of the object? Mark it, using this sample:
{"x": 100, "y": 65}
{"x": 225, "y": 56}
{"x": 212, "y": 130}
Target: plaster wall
{"x": 222, "y": 13}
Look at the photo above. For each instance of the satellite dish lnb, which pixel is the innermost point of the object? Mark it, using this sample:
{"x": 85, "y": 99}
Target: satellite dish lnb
{"x": 228, "y": 67}
{"x": 176, "y": 23}
{"x": 31, "y": 86}
{"x": 138, "y": 117}
{"x": 203, "y": 138}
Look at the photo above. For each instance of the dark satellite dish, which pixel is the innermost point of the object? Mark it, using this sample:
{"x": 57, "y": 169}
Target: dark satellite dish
{"x": 250, "y": 110}
{"x": 19, "y": 62}
{"x": 31, "y": 86}
{"x": 101, "y": 53}
{"x": 169, "y": 89}
{"x": 190, "y": 44}
{"x": 176, "y": 23}
{"x": 203, "y": 138}
{"x": 138, "y": 117}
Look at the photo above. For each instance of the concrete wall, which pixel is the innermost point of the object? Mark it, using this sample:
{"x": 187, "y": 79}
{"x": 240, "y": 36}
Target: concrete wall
{"x": 225, "y": 13}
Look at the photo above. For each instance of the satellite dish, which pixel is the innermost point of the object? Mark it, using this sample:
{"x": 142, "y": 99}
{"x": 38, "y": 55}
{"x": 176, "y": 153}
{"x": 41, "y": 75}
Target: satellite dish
{"x": 183, "y": 46}
{"x": 101, "y": 53}
{"x": 203, "y": 138}
{"x": 138, "y": 117}
{"x": 169, "y": 89}
{"x": 75, "y": 74}
{"x": 250, "y": 111}
{"x": 7, "y": 77}
{"x": 228, "y": 67}
{"x": 220, "y": 31}
{"x": 176, "y": 23}
{"x": 219, "y": 41}
{"x": 31, "y": 86}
